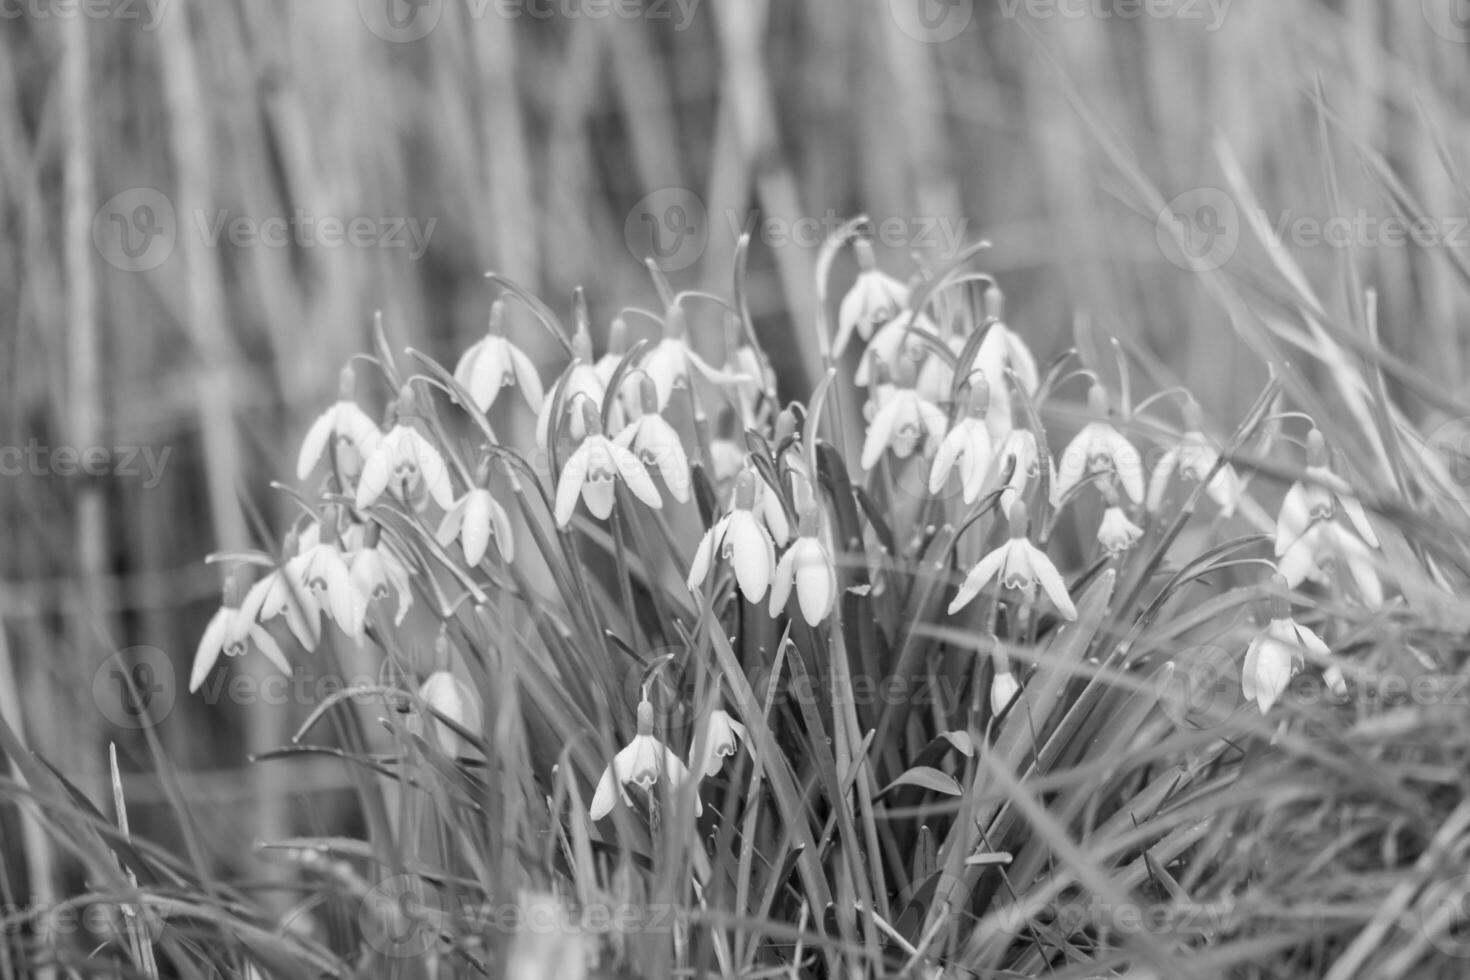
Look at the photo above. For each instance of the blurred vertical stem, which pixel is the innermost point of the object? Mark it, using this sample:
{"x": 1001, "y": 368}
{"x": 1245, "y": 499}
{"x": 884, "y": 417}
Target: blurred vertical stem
{"x": 84, "y": 392}
{"x": 205, "y": 317}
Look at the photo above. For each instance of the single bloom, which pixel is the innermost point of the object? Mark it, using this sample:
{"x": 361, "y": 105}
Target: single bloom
{"x": 231, "y": 630}
{"x": 1311, "y": 540}
{"x": 672, "y": 362}
{"x": 476, "y": 519}
{"x": 1117, "y": 533}
{"x": 493, "y": 363}
{"x": 1194, "y": 458}
{"x": 722, "y": 738}
{"x": 897, "y": 347}
{"x": 807, "y": 566}
{"x": 346, "y": 427}
{"x": 656, "y": 443}
{"x": 580, "y": 383}
{"x": 313, "y": 582}
{"x": 1018, "y": 564}
{"x": 1017, "y": 454}
{"x": 740, "y": 539}
{"x": 1276, "y": 653}
{"x": 377, "y": 575}
{"x": 902, "y": 423}
{"x": 967, "y": 445}
{"x": 1100, "y": 448}
{"x": 1003, "y": 687}
{"x": 641, "y": 763}
{"x": 592, "y": 471}
{"x": 451, "y": 697}
{"x": 405, "y": 464}
{"x": 875, "y": 298}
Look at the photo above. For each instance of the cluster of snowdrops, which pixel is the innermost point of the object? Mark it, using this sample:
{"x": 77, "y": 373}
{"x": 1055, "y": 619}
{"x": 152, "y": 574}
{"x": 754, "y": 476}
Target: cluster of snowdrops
{"x": 952, "y": 409}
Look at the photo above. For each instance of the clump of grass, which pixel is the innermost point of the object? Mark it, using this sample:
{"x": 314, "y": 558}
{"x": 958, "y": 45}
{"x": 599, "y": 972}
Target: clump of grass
{"x": 1018, "y": 677}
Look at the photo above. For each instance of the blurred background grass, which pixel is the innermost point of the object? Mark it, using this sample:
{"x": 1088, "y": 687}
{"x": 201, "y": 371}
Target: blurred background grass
{"x": 530, "y": 145}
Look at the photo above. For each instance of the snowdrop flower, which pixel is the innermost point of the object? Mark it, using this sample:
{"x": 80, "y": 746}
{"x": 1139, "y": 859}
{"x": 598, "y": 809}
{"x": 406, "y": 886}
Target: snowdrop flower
{"x": 1275, "y": 655}
{"x": 582, "y": 382}
{"x": 656, "y": 443}
{"x": 1018, "y": 453}
{"x": 451, "y": 697}
{"x": 1310, "y": 541}
{"x": 726, "y": 459}
{"x": 967, "y": 444}
{"x": 936, "y": 377}
{"x": 1116, "y": 533}
{"x": 277, "y": 591}
{"x": 593, "y": 470}
{"x": 346, "y": 426}
{"x": 722, "y": 737}
{"x": 902, "y": 423}
{"x": 493, "y": 362}
{"x": 315, "y": 581}
{"x": 896, "y": 346}
{"x": 808, "y": 566}
{"x": 1017, "y": 564}
{"x": 1100, "y": 448}
{"x": 875, "y": 298}
{"x": 475, "y": 518}
{"x": 1004, "y": 686}
{"x": 376, "y": 574}
{"x": 771, "y": 510}
{"x": 1194, "y": 458}
{"x": 231, "y": 630}
{"x": 640, "y": 764}
{"x": 741, "y": 539}
{"x": 672, "y": 362}
{"x": 406, "y": 464}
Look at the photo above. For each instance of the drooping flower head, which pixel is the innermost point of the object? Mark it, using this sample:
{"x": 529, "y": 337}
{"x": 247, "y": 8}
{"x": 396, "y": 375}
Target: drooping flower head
{"x": 1322, "y": 527}
{"x": 405, "y": 464}
{"x": 1276, "y": 653}
{"x": 641, "y": 763}
{"x": 655, "y": 442}
{"x": 377, "y": 575}
{"x": 593, "y": 469}
{"x": 722, "y": 738}
{"x": 1098, "y": 449}
{"x": 492, "y": 363}
{"x": 1003, "y": 350}
{"x": 580, "y": 382}
{"x": 1116, "y": 533}
{"x": 445, "y": 694}
{"x": 313, "y": 582}
{"x": 476, "y": 518}
{"x": 741, "y": 539}
{"x": 967, "y": 444}
{"x": 1020, "y": 565}
{"x": 874, "y": 299}
{"x": 673, "y": 364}
{"x": 232, "y": 630}
{"x": 904, "y": 423}
{"x": 806, "y": 566}
{"x": 345, "y": 428}
{"x": 1194, "y": 458}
